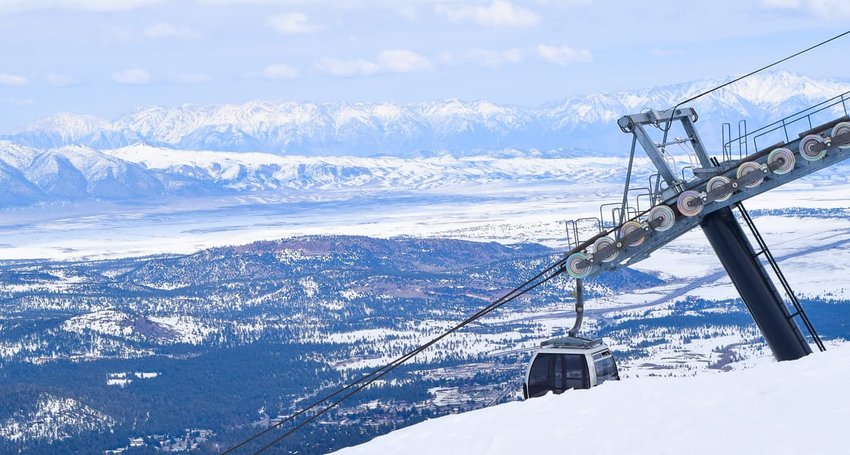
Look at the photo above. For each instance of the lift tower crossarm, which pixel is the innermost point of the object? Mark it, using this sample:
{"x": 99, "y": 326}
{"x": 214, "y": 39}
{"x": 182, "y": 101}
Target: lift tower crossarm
{"x": 629, "y": 248}
{"x": 636, "y": 124}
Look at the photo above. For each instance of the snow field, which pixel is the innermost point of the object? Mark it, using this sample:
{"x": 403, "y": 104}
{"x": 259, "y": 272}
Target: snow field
{"x": 777, "y": 408}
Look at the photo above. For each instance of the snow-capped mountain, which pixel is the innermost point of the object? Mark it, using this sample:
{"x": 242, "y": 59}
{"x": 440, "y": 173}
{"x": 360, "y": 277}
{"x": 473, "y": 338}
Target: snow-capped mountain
{"x": 323, "y": 146}
{"x": 286, "y": 127}
{"x": 73, "y": 173}
{"x": 70, "y": 173}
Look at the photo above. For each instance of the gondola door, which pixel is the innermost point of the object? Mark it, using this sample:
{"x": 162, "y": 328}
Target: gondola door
{"x": 557, "y": 372}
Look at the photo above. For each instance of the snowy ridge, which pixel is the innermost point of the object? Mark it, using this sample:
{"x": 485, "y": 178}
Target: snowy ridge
{"x": 143, "y": 172}
{"x": 287, "y": 127}
{"x": 272, "y": 146}
{"x": 54, "y": 418}
{"x": 747, "y": 411}
{"x": 74, "y": 173}
{"x": 266, "y": 171}
{"x": 69, "y": 173}
{"x": 163, "y": 330}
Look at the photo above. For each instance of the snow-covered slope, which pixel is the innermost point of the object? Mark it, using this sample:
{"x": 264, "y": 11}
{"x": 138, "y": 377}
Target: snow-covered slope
{"x": 53, "y": 418}
{"x": 143, "y": 172}
{"x": 785, "y": 408}
{"x": 70, "y": 173}
{"x": 252, "y": 171}
{"x": 163, "y": 330}
{"x": 286, "y": 127}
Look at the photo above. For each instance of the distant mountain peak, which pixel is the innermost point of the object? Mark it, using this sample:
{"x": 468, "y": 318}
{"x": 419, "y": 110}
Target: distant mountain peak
{"x": 289, "y": 127}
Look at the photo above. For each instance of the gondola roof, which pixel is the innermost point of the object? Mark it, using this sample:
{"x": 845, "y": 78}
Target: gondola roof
{"x": 571, "y": 342}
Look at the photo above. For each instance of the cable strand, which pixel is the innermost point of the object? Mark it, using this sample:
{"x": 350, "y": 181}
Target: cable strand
{"x": 379, "y": 372}
{"x": 771, "y": 65}
{"x": 409, "y": 356}
{"x": 367, "y": 376}
{"x": 516, "y": 292}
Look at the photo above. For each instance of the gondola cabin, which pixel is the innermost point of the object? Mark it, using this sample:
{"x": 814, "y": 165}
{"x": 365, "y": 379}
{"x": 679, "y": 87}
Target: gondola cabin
{"x": 569, "y": 363}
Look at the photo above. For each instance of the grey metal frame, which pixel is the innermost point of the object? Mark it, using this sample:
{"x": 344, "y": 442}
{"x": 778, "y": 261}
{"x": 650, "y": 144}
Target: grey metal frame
{"x": 673, "y": 185}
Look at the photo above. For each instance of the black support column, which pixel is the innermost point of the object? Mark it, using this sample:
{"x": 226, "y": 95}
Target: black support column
{"x": 754, "y": 285}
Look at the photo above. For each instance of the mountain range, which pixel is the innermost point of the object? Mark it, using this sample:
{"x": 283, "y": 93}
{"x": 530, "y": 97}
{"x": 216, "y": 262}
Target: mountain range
{"x": 273, "y": 146}
{"x": 358, "y": 129}
{"x": 142, "y": 172}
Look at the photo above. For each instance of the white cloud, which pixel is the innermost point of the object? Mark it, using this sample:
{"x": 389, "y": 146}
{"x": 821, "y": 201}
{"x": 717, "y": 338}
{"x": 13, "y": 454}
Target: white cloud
{"x": 484, "y": 57}
{"x": 106, "y": 5}
{"x": 11, "y": 80}
{"x": 388, "y": 61}
{"x": 403, "y": 61}
{"x": 346, "y": 4}
{"x": 830, "y": 9}
{"x": 279, "y": 71}
{"x": 500, "y": 13}
{"x": 407, "y": 9}
{"x": 132, "y": 76}
{"x": 833, "y": 10}
{"x": 188, "y": 78}
{"x": 163, "y": 30}
{"x": 564, "y": 55}
{"x": 292, "y": 23}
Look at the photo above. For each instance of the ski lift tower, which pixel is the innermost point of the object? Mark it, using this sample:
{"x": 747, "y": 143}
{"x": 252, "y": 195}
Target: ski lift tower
{"x": 723, "y": 231}
{"x": 679, "y": 202}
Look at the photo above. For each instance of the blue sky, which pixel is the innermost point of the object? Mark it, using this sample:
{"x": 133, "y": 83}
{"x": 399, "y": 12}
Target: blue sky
{"x": 108, "y": 57}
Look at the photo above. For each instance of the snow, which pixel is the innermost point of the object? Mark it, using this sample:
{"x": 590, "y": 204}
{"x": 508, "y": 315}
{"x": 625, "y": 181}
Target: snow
{"x": 189, "y": 329}
{"x": 440, "y": 195}
{"x": 298, "y": 171}
{"x": 54, "y": 418}
{"x": 123, "y": 379}
{"x": 363, "y": 336}
{"x": 145, "y": 375}
{"x": 777, "y": 408}
{"x": 311, "y": 288}
{"x": 110, "y": 322}
{"x": 798, "y": 243}
{"x": 287, "y": 126}
{"x": 160, "y": 329}
{"x": 506, "y": 199}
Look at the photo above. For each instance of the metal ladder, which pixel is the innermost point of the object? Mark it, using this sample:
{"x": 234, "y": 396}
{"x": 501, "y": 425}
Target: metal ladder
{"x": 765, "y": 251}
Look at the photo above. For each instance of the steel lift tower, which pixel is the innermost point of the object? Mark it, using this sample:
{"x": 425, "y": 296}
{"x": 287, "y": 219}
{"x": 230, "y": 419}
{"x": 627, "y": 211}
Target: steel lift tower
{"x": 703, "y": 193}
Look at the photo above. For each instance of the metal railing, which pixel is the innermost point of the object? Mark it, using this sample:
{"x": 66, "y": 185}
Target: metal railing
{"x": 610, "y": 216}
{"x": 577, "y": 230}
{"x": 784, "y": 128}
{"x": 741, "y": 140}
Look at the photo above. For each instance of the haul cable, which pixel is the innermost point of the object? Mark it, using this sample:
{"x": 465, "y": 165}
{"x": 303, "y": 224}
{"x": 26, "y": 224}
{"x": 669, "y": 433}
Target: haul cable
{"x": 542, "y": 277}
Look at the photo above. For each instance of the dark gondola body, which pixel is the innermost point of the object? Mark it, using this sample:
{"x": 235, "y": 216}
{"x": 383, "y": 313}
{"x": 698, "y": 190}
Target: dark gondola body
{"x": 569, "y": 363}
